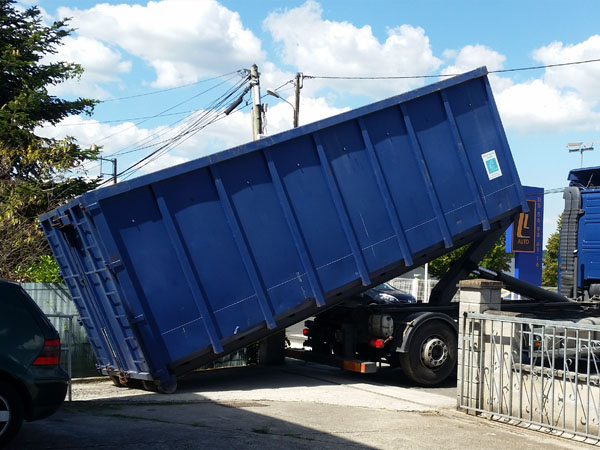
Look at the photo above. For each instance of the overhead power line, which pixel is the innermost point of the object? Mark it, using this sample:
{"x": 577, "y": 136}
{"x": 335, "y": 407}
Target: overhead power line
{"x": 240, "y": 71}
{"x": 128, "y": 119}
{"x": 164, "y": 111}
{"x": 191, "y": 125}
{"x": 408, "y": 77}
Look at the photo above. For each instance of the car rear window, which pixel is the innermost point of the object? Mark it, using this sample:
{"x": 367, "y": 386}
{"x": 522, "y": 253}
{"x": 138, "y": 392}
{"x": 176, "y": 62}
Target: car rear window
{"x": 17, "y": 309}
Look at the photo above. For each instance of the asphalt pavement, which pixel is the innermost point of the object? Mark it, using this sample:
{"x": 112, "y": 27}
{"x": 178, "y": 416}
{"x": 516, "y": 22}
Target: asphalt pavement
{"x": 295, "y": 406}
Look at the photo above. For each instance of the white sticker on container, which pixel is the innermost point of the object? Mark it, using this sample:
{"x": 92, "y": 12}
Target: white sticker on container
{"x": 492, "y": 167}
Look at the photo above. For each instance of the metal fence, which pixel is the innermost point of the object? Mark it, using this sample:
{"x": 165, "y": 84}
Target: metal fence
{"x": 540, "y": 373}
{"x": 55, "y": 301}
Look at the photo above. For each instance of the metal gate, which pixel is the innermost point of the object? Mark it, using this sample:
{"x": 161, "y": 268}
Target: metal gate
{"x": 539, "y": 373}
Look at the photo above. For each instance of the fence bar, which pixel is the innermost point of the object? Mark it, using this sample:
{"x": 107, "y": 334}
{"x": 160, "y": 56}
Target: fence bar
{"x": 575, "y": 387}
{"x": 542, "y": 352}
{"x": 587, "y": 418}
{"x": 462, "y": 362}
{"x": 532, "y": 365}
{"x": 565, "y": 368}
{"x": 481, "y": 377}
{"x": 501, "y": 357}
{"x": 521, "y": 337}
{"x": 471, "y": 364}
{"x": 69, "y": 348}
{"x": 511, "y": 372}
{"x": 70, "y": 357}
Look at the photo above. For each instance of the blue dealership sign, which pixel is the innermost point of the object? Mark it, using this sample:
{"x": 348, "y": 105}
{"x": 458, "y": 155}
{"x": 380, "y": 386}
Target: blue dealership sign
{"x": 524, "y": 238}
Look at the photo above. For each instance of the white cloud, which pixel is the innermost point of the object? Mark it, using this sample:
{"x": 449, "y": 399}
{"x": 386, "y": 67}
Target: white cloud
{"x": 553, "y": 103}
{"x": 473, "y": 56}
{"x": 101, "y": 64}
{"x": 582, "y": 78}
{"x": 183, "y": 40}
{"x": 228, "y": 132}
{"x": 323, "y": 47}
{"x": 231, "y": 131}
{"x": 280, "y": 115}
{"x": 536, "y": 106}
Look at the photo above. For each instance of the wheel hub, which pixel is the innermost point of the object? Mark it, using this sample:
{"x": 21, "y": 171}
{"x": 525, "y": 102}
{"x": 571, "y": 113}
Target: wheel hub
{"x": 434, "y": 352}
{"x": 4, "y": 415}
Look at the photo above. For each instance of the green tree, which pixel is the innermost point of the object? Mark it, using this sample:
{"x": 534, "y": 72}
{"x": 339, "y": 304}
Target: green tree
{"x": 496, "y": 259}
{"x": 550, "y": 262}
{"x": 36, "y": 173}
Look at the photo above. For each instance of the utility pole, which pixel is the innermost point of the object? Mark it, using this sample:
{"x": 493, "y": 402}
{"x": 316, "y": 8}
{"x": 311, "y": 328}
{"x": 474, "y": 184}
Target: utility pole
{"x": 114, "y": 161}
{"x": 299, "y": 81}
{"x": 114, "y": 167}
{"x": 257, "y": 126}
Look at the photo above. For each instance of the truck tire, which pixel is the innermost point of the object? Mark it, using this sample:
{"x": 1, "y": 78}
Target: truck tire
{"x": 432, "y": 353}
{"x": 11, "y": 413}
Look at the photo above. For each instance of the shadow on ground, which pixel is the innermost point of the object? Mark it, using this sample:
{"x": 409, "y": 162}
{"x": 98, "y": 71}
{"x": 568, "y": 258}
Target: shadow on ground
{"x": 238, "y": 407}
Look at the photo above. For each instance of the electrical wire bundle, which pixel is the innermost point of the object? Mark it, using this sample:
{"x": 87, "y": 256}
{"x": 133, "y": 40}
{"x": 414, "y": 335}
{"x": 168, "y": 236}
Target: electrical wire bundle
{"x": 177, "y": 132}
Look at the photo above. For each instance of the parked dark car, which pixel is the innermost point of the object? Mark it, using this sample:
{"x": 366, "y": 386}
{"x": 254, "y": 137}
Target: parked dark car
{"x": 32, "y": 384}
{"x": 387, "y": 294}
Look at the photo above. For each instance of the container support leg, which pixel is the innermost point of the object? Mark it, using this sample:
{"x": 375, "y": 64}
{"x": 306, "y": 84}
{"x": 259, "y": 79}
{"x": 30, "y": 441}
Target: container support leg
{"x": 444, "y": 291}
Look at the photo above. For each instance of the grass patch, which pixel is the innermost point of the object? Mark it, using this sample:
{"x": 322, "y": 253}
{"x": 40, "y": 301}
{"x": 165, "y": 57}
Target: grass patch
{"x": 262, "y": 430}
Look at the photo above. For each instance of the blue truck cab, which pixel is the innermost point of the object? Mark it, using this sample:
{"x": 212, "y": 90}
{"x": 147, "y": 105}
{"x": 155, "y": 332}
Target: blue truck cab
{"x": 579, "y": 249}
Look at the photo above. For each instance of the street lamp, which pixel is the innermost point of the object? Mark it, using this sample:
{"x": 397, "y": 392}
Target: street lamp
{"x": 272, "y": 93}
{"x": 580, "y": 147}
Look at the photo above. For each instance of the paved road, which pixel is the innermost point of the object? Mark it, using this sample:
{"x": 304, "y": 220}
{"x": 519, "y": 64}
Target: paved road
{"x": 296, "y": 406}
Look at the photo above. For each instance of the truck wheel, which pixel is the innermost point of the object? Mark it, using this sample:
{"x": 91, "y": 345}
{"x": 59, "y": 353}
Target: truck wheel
{"x": 432, "y": 354}
{"x": 11, "y": 413}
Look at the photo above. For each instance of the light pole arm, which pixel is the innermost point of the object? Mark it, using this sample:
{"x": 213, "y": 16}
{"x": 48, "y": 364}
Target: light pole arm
{"x": 276, "y": 95}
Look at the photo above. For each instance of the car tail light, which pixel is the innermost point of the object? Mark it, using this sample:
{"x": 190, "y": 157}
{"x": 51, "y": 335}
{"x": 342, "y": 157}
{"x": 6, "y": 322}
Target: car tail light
{"x": 50, "y": 354}
{"x": 305, "y": 332}
{"x": 377, "y": 343}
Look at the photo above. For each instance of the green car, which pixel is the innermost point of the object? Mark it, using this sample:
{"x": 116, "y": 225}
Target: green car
{"x": 32, "y": 384}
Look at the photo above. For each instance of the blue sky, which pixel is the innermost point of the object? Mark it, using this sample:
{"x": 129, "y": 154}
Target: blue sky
{"x": 132, "y": 48}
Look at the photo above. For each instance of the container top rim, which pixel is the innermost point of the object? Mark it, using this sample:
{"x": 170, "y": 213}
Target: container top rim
{"x": 96, "y": 195}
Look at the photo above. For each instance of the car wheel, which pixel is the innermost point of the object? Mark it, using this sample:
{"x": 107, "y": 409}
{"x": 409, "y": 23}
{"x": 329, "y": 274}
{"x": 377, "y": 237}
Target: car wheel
{"x": 11, "y": 413}
{"x": 432, "y": 354}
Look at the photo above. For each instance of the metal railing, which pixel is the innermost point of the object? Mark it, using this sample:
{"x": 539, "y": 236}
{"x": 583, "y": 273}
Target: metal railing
{"x": 68, "y": 348}
{"x": 540, "y": 373}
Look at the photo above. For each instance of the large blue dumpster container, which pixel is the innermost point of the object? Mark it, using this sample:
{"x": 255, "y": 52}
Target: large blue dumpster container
{"x": 176, "y": 268}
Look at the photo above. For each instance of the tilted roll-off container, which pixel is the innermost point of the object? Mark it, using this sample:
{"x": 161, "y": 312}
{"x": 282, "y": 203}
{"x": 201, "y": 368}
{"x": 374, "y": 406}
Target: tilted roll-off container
{"x": 179, "y": 267}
